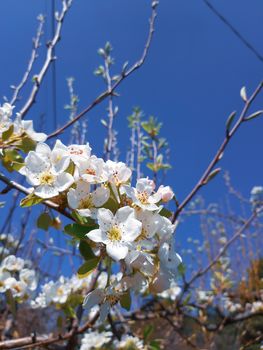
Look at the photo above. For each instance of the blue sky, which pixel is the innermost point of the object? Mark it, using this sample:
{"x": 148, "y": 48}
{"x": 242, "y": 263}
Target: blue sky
{"x": 190, "y": 81}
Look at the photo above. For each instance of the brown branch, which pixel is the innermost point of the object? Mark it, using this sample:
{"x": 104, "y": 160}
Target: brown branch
{"x": 124, "y": 75}
{"x": 26, "y": 191}
{"x": 224, "y": 248}
{"x": 49, "y": 58}
{"x": 219, "y": 153}
{"x": 43, "y": 340}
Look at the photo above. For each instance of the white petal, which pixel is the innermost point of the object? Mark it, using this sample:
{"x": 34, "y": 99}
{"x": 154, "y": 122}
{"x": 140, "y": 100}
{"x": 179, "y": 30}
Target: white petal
{"x": 100, "y": 196}
{"x": 131, "y": 230}
{"x": 105, "y": 218}
{"x": 124, "y": 213}
{"x": 104, "y": 311}
{"x": 85, "y": 212}
{"x": 64, "y": 181}
{"x": 93, "y": 298}
{"x": 43, "y": 149}
{"x": 46, "y": 191}
{"x": 116, "y": 250}
{"x": 73, "y": 200}
{"x": 97, "y": 236}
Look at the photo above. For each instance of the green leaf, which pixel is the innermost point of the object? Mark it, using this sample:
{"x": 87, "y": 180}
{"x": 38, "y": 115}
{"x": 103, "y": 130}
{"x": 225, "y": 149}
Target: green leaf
{"x": 86, "y": 251}
{"x": 78, "y": 231}
{"x": 186, "y": 300}
{"x": 212, "y": 175}
{"x": 229, "y": 122}
{"x": 154, "y": 345}
{"x": 87, "y": 268}
{"x": 125, "y": 301}
{"x": 166, "y": 213}
{"x": 8, "y": 133}
{"x": 60, "y": 322}
{"x": 44, "y": 221}
{"x": 147, "y": 332}
{"x": 181, "y": 269}
{"x": 27, "y": 144}
{"x": 254, "y": 115}
{"x": 30, "y": 200}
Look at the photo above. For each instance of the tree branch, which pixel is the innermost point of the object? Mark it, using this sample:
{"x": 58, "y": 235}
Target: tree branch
{"x": 124, "y": 75}
{"x": 219, "y": 153}
{"x": 49, "y": 59}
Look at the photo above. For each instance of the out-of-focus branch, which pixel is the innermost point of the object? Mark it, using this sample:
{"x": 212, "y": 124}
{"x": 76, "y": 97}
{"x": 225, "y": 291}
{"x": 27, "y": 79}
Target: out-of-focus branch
{"x": 26, "y": 191}
{"x": 49, "y": 58}
{"x": 44, "y": 340}
{"x": 124, "y": 75}
{"x": 224, "y": 248}
{"x": 34, "y": 55}
{"x": 229, "y": 134}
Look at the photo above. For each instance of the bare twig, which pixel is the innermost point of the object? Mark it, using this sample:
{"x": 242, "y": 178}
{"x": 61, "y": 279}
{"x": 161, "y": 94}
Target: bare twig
{"x": 225, "y": 247}
{"x": 26, "y": 191}
{"x": 49, "y": 59}
{"x": 124, "y": 75}
{"x": 219, "y": 153}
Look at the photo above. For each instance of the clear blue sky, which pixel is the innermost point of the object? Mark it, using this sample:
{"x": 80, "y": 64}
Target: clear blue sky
{"x": 191, "y": 79}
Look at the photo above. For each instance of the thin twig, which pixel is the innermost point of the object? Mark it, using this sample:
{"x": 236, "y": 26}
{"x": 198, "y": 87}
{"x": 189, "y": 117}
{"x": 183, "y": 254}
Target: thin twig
{"x": 49, "y": 59}
{"x": 124, "y": 75}
{"x": 219, "y": 153}
{"x": 26, "y": 191}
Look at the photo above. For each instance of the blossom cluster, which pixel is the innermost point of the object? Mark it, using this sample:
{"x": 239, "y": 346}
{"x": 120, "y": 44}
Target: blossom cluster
{"x": 103, "y": 340}
{"x": 57, "y": 293}
{"x": 125, "y": 224}
{"x": 256, "y": 196}
{"x": 17, "y": 277}
{"x": 19, "y": 126}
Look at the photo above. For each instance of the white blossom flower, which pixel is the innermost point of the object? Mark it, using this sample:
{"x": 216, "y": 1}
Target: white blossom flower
{"x": 143, "y": 195}
{"x": 18, "y": 288}
{"x": 41, "y": 174}
{"x": 95, "y": 340}
{"x": 105, "y": 298}
{"x": 169, "y": 259}
{"x": 62, "y": 155}
{"x": 160, "y": 282}
{"x": 172, "y": 292}
{"x": 12, "y": 263}
{"x": 86, "y": 202}
{"x": 116, "y": 232}
{"x": 26, "y": 126}
{"x": 117, "y": 172}
{"x": 92, "y": 170}
{"x": 5, "y": 114}
{"x": 166, "y": 193}
{"x": 6, "y": 110}
{"x": 29, "y": 278}
{"x": 128, "y": 342}
{"x": 4, "y": 275}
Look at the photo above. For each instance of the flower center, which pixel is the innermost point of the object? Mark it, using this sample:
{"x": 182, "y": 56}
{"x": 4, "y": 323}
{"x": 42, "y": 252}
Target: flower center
{"x": 112, "y": 299}
{"x": 90, "y": 171}
{"x": 86, "y": 203}
{"x": 47, "y": 179}
{"x": 143, "y": 235}
{"x": 143, "y": 197}
{"x": 17, "y": 288}
{"x": 114, "y": 234}
{"x": 75, "y": 151}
